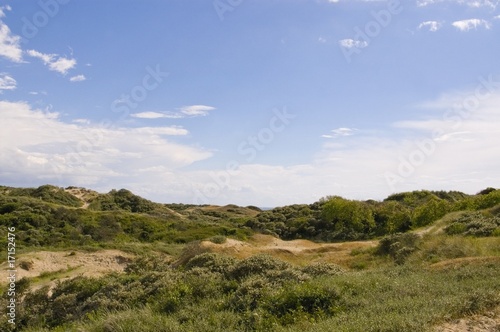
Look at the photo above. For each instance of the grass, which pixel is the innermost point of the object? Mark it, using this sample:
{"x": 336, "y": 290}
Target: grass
{"x": 409, "y": 299}
{"x": 53, "y": 275}
{"x": 442, "y": 247}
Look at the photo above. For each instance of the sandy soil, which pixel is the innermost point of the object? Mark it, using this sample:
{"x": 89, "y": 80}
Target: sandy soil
{"x": 85, "y": 195}
{"x": 297, "y": 251}
{"x": 66, "y": 265}
{"x": 489, "y": 322}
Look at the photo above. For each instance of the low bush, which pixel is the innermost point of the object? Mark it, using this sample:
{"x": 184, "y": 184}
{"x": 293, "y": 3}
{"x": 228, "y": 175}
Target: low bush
{"x": 212, "y": 262}
{"x": 218, "y": 239}
{"x": 474, "y": 224}
{"x": 323, "y": 269}
{"x": 303, "y": 301}
{"x": 398, "y": 246}
{"x": 257, "y": 265}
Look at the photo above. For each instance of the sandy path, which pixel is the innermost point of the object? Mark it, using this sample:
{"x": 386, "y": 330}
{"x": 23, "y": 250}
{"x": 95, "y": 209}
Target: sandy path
{"x": 62, "y": 265}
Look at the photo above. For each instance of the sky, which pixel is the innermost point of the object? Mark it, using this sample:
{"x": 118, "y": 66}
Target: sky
{"x": 251, "y": 102}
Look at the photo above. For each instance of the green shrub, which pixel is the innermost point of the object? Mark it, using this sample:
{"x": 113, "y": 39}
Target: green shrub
{"x": 310, "y": 299}
{"x": 323, "y": 269}
{"x": 249, "y": 294}
{"x": 213, "y": 262}
{"x": 398, "y": 246}
{"x": 474, "y": 224}
{"x": 218, "y": 239}
{"x": 148, "y": 263}
{"x": 257, "y": 265}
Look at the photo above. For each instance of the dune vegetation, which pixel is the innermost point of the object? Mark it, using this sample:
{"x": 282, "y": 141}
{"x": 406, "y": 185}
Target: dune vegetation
{"x": 416, "y": 261}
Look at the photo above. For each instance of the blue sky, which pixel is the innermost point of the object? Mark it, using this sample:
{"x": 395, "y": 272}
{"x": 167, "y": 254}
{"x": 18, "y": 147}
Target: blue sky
{"x": 251, "y": 102}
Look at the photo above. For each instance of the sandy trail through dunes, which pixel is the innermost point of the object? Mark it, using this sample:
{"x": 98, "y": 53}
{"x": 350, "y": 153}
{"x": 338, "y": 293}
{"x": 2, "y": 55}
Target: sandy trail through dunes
{"x": 50, "y": 266}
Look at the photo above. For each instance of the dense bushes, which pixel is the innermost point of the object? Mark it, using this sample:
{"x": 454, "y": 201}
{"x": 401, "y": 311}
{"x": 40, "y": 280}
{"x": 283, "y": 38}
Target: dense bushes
{"x": 39, "y": 223}
{"x": 475, "y": 224}
{"x": 335, "y": 218}
{"x": 45, "y": 216}
{"x": 259, "y": 283}
{"x": 205, "y": 295}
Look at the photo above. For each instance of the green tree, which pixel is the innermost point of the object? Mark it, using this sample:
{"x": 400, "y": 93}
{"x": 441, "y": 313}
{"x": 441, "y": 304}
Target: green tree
{"x": 348, "y": 219}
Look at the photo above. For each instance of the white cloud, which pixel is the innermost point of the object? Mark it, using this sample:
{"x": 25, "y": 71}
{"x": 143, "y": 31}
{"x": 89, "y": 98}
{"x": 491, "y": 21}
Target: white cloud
{"x": 78, "y": 78}
{"x": 7, "y": 82}
{"x": 185, "y": 111}
{"x": 337, "y": 1}
{"x": 340, "y": 132}
{"x": 2, "y": 8}
{"x": 157, "y": 115}
{"x": 470, "y": 3}
{"x": 350, "y": 43}
{"x": 170, "y": 131}
{"x": 82, "y": 121}
{"x": 196, "y": 110}
{"x": 9, "y": 44}
{"x": 432, "y": 26}
{"x": 54, "y": 61}
{"x": 474, "y": 23}
{"x": 35, "y": 93}
{"x": 37, "y": 147}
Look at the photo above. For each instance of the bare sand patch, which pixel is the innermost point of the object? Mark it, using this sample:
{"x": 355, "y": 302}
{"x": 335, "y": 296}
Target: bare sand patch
{"x": 50, "y": 266}
{"x": 487, "y": 322}
{"x": 295, "y": 251}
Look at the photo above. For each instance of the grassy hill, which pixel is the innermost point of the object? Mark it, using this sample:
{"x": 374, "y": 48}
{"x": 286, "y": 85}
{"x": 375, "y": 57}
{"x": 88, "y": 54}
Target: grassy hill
{"x": 415, "y": 261}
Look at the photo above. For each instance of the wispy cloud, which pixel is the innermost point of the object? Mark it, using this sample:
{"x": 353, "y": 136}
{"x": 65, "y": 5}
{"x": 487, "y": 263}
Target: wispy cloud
{"x": 54, "y": 61}
{"x": 153, "y": 115}
{"x": 10, "y": 47}
{"x": 3, "y": 9}
{"x": 7, "y": 82}
{"x": 185, "y": 111}
{"x": 474, "y": 23}
{"x": 78, "y": 78}
{"x": 351, "y": 43}
{"x": 196, "y": 110}
{"x": 432, "y": 26}
{"x": 339, "y": 132}
{"x": 470, "y": 3}
{"x": 168, "y": 131}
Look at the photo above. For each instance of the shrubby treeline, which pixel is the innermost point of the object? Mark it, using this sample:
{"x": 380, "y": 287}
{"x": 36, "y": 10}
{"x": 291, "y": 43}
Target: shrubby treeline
{"x": 52, "y": 216}
{"x": 336, "y": 218}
